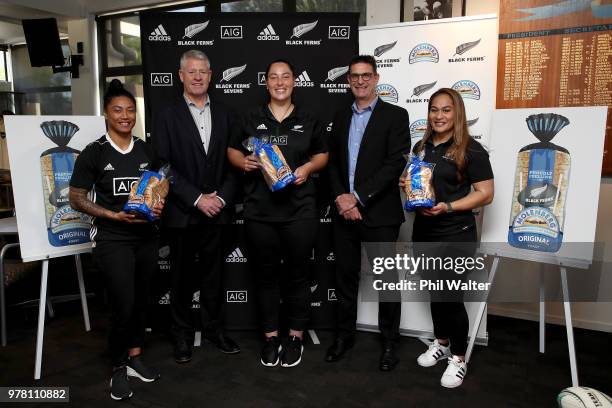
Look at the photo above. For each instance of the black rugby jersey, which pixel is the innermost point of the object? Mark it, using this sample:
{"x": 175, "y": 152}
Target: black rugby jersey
{"x": 448, "y": 188}
{"x": 109, "y": 173}
{"x": 299, "y": 136}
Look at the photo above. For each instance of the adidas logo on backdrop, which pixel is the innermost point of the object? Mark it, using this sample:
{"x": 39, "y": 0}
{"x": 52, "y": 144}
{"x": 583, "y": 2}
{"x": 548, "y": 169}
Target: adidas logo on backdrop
{"x": 268, "y": 34}
{"x": 304, "y": 81}
{"x": 159, "y": 34}
{"x": 236, "y": 256}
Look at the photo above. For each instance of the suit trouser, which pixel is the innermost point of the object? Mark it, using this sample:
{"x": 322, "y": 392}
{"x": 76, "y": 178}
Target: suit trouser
{"x": 185, "y": 243}
{"x": 348, "y": 237}
{"x": 128, "y": 267}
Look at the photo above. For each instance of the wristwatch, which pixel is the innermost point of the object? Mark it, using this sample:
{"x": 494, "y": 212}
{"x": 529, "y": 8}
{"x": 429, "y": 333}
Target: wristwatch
{"x": 449, "y": 207}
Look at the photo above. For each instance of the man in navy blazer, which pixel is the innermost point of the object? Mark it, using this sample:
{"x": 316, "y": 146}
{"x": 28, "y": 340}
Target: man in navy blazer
{"x": 366, "y": 158}
{"x": 192, "y": 135}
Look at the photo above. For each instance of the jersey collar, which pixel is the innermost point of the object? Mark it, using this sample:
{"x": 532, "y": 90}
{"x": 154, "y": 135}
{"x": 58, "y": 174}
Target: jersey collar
{"x": 117, "y": 148}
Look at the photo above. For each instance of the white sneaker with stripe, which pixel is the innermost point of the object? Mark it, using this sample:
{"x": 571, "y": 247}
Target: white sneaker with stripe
{"x": 434, "y": 353}
{"x": 455, "y": 373}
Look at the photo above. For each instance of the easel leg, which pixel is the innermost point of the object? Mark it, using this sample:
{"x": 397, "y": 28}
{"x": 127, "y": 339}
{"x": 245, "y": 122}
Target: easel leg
{"x": 542, "y": 313}
{"x": 42, "y": 301}
{"x": 481, "y": 309}
{"x": 569, "y": 327}
{"x": 82, "y": 292}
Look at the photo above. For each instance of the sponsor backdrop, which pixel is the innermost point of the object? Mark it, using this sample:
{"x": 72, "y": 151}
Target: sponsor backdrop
{"x": 240, "y": 46}
{"x": 42, "y": 151}
{"x": 414, "y": 60}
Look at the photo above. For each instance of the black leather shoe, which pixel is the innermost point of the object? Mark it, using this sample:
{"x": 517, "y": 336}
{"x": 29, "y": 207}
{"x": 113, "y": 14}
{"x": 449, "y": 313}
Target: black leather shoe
{"x": 224, "y": 343}
{"x": 337, "y": 350}
{"x": 388, "y": 359}
{"x": 182, "y": 351}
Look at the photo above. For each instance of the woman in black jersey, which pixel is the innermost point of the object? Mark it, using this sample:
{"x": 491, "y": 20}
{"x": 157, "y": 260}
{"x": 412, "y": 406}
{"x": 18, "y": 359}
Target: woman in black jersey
{"x": 124, "y": 247}
{"x": 281, "y": 224}
{"x": 463, "y": 181}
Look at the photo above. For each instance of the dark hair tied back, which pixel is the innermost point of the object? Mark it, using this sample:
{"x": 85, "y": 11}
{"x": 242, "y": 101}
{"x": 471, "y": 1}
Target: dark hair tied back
{"x": 116, "y": 89}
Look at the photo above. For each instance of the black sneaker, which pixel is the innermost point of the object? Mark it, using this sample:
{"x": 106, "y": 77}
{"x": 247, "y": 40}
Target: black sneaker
{"x": 292, "y": 353}
{"x": 270, "y": 353}
{"x": 120, "y": 387}
{"x": 136, "y": 368}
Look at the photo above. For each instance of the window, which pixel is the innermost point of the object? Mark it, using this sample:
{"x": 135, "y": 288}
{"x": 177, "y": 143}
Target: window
{"x": 253, "y": 5}
{"x": 46, "y": 93}
{"x": 334, "y": 6}
{"x": 3, "y": 66}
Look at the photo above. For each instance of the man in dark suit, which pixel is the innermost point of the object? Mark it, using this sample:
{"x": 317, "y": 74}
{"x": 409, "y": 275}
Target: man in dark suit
{"x": 367, "y": 144}
{"x": 192, "y": 135}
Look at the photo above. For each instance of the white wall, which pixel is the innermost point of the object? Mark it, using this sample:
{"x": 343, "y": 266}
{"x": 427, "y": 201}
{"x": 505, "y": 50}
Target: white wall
{"x": 382, "y": 11}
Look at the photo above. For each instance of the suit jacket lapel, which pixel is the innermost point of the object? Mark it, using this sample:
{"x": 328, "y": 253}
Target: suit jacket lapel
{"x": 190, "y": 126}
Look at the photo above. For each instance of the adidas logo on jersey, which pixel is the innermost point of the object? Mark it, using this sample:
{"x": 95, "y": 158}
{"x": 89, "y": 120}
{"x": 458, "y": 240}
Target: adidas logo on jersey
{"x": 109, "y": 167}
{"x": 303, "y": 80}
{"x": 268, "y": 34}
{"x": 236, "y": 256}
{"x": 159, "y": 34}
{"x": 165, "y": 300}
{"x": 262, "y": 127}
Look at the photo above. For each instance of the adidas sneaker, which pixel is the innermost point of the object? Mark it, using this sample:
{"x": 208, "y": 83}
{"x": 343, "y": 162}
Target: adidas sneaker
{"x": 270, "y": 353}
{"x": 455, "y": 373}
{"x": 434, "y": 353}
{"x": 119, "y": 384}
{"x": 292, "y": 353}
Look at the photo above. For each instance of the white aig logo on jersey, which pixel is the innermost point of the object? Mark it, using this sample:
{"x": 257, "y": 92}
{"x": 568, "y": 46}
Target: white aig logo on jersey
{"x": 236, "y": 256}
{"x": 279, "y": 140}
{"x": 231, "y": 32}
{"x": 268, "y": 34}
{"x": 123, "y": 185}
{"x": 304, "y": 81}
{"x": 159, "y": 34}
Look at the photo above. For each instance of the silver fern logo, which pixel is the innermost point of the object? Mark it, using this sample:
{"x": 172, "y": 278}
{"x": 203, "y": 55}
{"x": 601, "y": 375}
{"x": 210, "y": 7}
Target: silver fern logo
{"x": 302, "y": 29}
{"x": 380, "y": 50}
{"x": 194, "y": 29}
{"x": 232, "y": 73}
{"x": 465, "y": 48}
{"x": 332, "y": 82}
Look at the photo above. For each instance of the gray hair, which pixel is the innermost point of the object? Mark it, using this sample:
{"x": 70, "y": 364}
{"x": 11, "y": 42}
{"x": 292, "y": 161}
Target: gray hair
{"x": 194, "y": 54}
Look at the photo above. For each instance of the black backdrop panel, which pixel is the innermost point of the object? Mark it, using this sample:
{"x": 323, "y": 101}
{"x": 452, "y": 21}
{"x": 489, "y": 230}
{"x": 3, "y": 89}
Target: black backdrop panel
{"x": 240, "y": 47}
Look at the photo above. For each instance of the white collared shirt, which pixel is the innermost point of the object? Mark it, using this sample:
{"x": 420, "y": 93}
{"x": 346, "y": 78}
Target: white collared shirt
{"x": 202, "y": 119}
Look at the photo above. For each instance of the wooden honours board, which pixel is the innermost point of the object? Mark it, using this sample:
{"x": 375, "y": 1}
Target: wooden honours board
{"x": 554, "y": 53}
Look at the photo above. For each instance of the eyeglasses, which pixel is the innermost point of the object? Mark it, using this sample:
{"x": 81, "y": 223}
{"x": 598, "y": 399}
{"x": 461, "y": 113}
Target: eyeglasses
{"x": 366, "y": 76}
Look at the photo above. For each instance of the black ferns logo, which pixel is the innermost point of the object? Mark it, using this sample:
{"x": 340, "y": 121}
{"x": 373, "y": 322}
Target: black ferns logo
{"x": 423, "y": 88}
{"x": 465, "y": 47}
{"x": 380, "y": 50}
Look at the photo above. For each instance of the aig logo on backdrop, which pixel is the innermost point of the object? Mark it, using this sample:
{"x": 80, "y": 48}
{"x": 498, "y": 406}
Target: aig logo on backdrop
{"x": 236, "y": 296}
{"x": 161, "y": 79}
{"x": 339, "y": 32}
{"x": 261, "y": 78}
{"x": 231, "y": 32}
